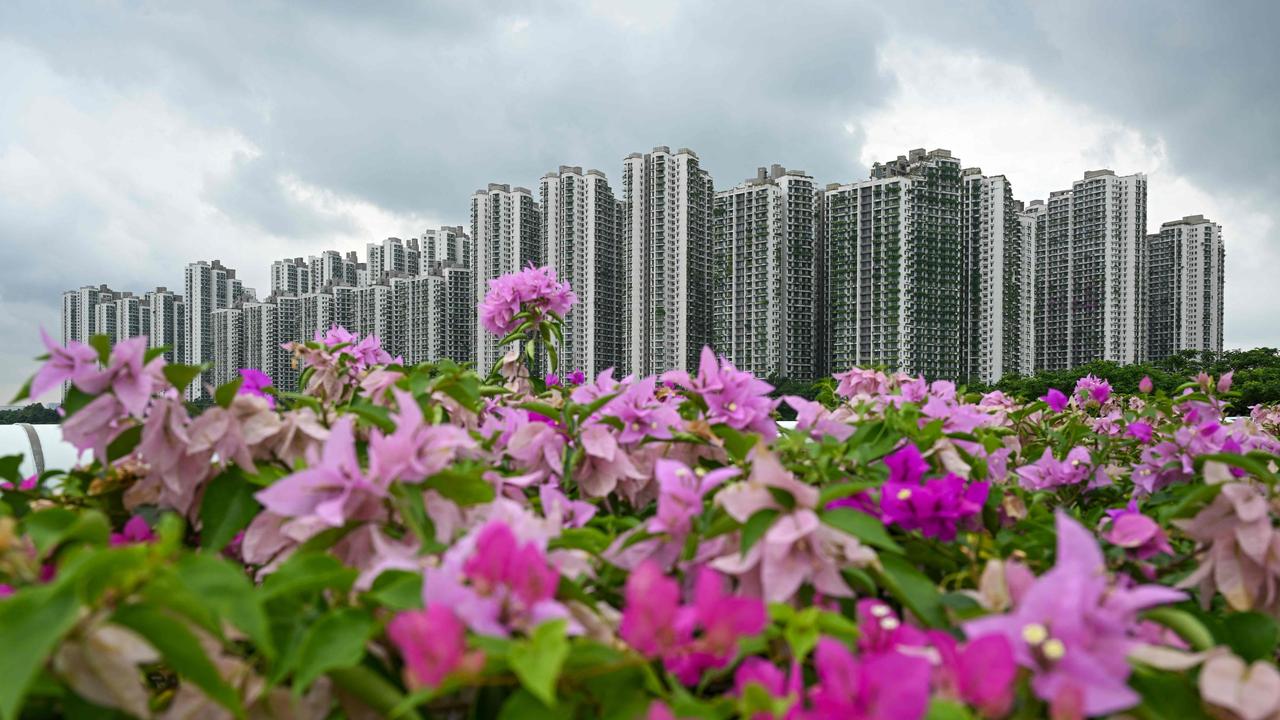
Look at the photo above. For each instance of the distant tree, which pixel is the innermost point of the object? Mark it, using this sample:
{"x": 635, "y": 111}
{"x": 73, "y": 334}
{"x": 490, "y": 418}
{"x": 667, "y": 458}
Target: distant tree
{"x": 34, "y": 414}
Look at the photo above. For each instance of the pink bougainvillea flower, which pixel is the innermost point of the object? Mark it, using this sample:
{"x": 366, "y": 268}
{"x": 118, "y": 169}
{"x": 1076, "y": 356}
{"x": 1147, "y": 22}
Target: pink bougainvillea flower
{"x": 1145, "y": 385}
{"x": 534, "y": 289}
{"x": 76, "y": 362}
{"x": 1055, "y": 399}
{"x": 1049, "y": 472}
{"x": 936, "y": 506}
{"x": 817, "y": 420}
{"x": 331, "y": 491}
{"x": 680, "y": 495}
{"x": 433, "y": 643}
{"x": 1074, "y": 628}
{"x": 575, "y": 377}
{"x": 798, "y": 547}
{"x": 1137, "y": 533}
{"x": 1238, "y": 549}
{"x": 496, "y": 584}
{"x": 734, "y": 397}
{"x": 255, "y": 382}
{"x": 1090, "y": 389}
{"x": 93, "y": 426}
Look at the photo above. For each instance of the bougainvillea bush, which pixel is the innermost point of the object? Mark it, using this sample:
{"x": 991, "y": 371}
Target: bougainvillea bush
{"x": 426, "y": 541}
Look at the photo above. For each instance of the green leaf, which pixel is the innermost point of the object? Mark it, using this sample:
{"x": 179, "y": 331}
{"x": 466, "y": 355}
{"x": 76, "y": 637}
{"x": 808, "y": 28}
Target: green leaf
{"x": 940, "y": 709}
{"x": 180, "y": 376}
{"x": 756, "y": 526}
{"x": 228, "y": 507}
{"x": 24, "y": 393}
{"x": 226, "y": 392}
{"x": 462, "y": 483}
{"x": 522, "y": 705}
{"x": 153, "y": 353}
{"x": 124, "y": 443}
{"x": 397, "y": 590}
{"x": 181, "y": 650}
{"x": 911, "y": 588}
{"x": 1253, "y": 636}
{"x": 31, "y": 624}
{"x": 548, "y": 411}
{"x": 737, "y": 443}
{"x": 410, "y": 502}
{"x": 228, "y": 592}
{"x": 1186, "y": 625}
{"x": 840, "y": 491}
{"x": 376, "y": 415}
{"x": 537, "y": 661}
{"x": 307, "y": 572}
{"x": 51, "y": 527}
{"x": 801, "y": 632}
{"x": 589, "y": 539}
{"x": 337, "y": 640}
{"x": 862, "y": 526}
{"x": 11, "y": 469}
{"x": 1166, "y": 695}
{"x": 102, "y": 343}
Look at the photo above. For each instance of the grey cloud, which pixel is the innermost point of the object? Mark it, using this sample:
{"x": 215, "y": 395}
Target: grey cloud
{"x": 411, "y": 106}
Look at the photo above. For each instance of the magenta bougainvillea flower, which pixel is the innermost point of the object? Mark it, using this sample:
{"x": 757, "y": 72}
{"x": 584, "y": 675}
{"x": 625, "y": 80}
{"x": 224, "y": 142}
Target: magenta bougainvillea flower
{"x": 935, "y": 506}
{"x": 1074, "y": 628}
{"x": 433, "y": 643}
{"x": 690, "y": 638}
{"x": 1055, "y": 399}
{"x": 885, "y": 686}
{"x": 497, "y": 584}
{"x": 534, "y": 290}
{"x": 136, "y": 530}
{"x": 255, "y": 382}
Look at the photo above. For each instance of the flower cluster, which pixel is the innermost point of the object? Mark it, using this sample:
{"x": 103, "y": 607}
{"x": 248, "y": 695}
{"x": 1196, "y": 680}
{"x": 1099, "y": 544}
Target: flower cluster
{"x": 432, "y": 540}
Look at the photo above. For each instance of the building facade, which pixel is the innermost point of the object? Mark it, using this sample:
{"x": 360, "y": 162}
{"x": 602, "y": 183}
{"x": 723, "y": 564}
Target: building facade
{"x": 1184, "y": 286}
{"x": 581, "y": 234}
{"x": 506, "y": 237}
{"x": 668, "y": 200}
{"x": 895, "y": 266}
{"x": 763, "y": 274}
{"x": 997, "y": 331}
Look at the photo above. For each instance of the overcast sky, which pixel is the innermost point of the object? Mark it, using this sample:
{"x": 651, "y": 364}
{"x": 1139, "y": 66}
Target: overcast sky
{"x": 136, "y": 137}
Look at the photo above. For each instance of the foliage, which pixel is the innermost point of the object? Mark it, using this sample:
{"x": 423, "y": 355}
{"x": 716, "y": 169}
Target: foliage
{"x": 33, "y": 414}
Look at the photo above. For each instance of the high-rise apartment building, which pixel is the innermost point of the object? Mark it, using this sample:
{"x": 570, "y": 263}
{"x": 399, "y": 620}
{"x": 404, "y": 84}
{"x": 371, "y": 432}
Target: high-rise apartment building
{"x": 290, "y": 277}
{"x": 1184, "y": 287}
{"x": 763, "y": 273}
{"x": 895, "y": 266}
{"x": 210, "y": 286}
{"x": 668, "y": 199}
{"x": 1109, "y": 228}
{"x": 447, "y": 244}
{"x": 433, "y": 317}
{"x": 1031, "y": 225}
{"x": 364, "y": 310}
{"x": 505, "y": 237}
{"x": 997, "y": 332}
{"x": 581, "y": 235}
